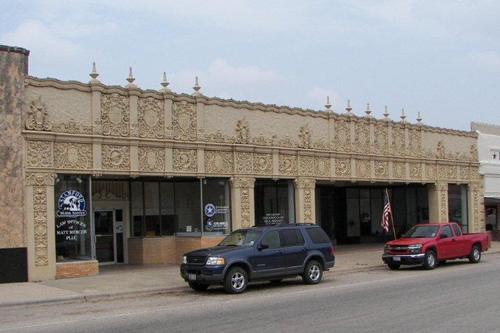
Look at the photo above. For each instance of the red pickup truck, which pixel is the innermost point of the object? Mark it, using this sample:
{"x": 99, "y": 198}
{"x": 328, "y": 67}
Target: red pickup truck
{"x": 433, "y": 243}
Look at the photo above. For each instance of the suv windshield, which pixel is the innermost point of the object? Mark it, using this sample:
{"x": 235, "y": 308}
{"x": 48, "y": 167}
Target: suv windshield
{"x": 421, "y": 232}
{"x": 241, "y": 238}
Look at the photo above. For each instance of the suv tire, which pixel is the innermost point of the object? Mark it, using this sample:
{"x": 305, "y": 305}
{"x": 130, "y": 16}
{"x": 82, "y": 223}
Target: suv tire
{"x": 313, "y": 272}
{"x": 198, "y": 286}
{"x": 430, "y": 259}
{"x": 475, "y": 254}
{"x": 236, "y": 280}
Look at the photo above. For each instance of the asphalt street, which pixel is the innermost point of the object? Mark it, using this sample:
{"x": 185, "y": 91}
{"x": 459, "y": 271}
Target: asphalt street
{"x": 456, "y": 297}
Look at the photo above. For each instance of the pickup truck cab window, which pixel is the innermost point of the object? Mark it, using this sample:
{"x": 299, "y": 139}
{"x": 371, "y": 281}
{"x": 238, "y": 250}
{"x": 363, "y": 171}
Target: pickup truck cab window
{"x": 271, "y": 239}
{"x": 446, "y": 231}
{"x": 458, "y": 231}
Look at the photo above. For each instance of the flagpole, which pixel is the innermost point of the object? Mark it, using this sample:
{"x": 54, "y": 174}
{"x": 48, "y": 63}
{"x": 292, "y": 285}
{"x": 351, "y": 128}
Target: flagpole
{"x": 392, "y": 219}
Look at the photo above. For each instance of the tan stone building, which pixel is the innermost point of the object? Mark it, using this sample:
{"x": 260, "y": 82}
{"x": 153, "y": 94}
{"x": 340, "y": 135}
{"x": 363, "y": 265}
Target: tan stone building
{"x": 94, "y": 174}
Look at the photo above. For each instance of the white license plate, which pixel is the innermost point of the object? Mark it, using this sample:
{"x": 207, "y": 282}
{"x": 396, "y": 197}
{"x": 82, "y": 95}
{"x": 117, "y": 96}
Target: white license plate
{"x": 396, "y": 258}
{"x": 192, "y": 277}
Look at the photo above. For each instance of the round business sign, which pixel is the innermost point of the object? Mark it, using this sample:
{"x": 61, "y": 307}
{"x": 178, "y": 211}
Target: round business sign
{"x": 209, "y": 210}
{"x": 71, "y": 204}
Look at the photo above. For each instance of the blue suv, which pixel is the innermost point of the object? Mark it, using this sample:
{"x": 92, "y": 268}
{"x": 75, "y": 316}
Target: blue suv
{"x": 260, "y": 253}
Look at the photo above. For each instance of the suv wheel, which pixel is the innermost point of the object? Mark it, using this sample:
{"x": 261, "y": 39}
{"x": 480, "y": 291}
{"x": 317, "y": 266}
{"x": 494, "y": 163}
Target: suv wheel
{"x": 313, "y": 272}
{"x": 198, "y": 286}
{"x": 475, "y": 254}
{"x": 430, "y": 259}
{"x": 236, "y": 280}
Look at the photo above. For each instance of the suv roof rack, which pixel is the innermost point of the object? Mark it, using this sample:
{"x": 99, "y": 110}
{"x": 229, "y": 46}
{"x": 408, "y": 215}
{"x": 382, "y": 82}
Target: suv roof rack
{"x": 284, "y": 225}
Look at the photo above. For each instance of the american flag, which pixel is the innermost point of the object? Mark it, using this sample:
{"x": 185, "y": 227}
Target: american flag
{"x": 387, "y": 212}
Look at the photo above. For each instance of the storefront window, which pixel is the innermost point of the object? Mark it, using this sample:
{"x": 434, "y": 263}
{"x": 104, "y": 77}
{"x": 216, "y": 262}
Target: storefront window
{"x": 72, "y": 218}
{"x": 274, "y": 202}
{"x": 457, "y": 205}
{"x": 152, "y": 209}
{"x": 167, "y": 209}
{"x": 136, "y": 207}
{"x": 216, "y": 214}
{"x": 188, "y": 205}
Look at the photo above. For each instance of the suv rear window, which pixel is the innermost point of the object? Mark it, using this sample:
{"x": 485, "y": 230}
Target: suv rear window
{"x": 291, "y": 237}
{"x": 317, "y": 235}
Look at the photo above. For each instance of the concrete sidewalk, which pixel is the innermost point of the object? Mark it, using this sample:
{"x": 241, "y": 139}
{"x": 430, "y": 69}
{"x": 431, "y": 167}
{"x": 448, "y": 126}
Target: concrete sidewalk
{"x": 132, "y": 280}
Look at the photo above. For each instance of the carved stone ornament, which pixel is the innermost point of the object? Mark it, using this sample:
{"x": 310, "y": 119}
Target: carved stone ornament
{"x": 151, "y": 159}
{"x": 305, "y": 137}
{"x": 219, "y": 162}
{"x": 184, "y": 121}
{"x": 263, "y": 163}
{"x": 399, "y": 170}
{"x": 242, "y": 132}
{"x": 362, "y": 136}
{"x": 381, "y": 169}
{"x": 151, "y": 118}
{"x": 416, "y": 170}
{"x": 381, "y": 139}
{"x": 430, "y": 171}
{"x": 38, "y": 117}
{"x": 185, "y": 160}
{"x": 306, "y": 166}
{"x": 73, "y": 156}
{"x": 363, "y": 168}
{"x": 116, "y": 157}
{"x": 415, "y": 142}
{"x": 243, "y": 163}
{"x": 342, "y": 140}
{"x": 473, "y": 152}
{"x": 39, "y": 179}
{"x": 322, "y": 166}
{"x": 115, "y": 115}
{"x": 288, "y": 164}
{"x": 39, "y": 154}
{"x": 398, "y": 140}
{"x": 72, "y": 127}
{"x": 244, "y": 186}
{"x": 40, "y": 228}
{"x": 440, "y": 150}
{"x": 343, "y": 167}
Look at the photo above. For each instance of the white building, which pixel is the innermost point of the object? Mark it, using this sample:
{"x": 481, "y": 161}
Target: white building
{"x": 489, "y": 158}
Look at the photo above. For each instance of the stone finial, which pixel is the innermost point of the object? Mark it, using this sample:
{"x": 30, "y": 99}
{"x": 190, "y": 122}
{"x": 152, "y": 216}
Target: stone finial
{"x": 196, "y": 87}
{"x": 403, "y": 115}
{"x": 130, "y": 79}
{"x": 368, "y": 111}
{"x": 419, "y": 118}
{"x": 348, "y": 108}
{"x": 94, "y": 74}
{"x": 386, "y": 112}
{"x": 164, "y": 83}
{"x": 328, "y": 105}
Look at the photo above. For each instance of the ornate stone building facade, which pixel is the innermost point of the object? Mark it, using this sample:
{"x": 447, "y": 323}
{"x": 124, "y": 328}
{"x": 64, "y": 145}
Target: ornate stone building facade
{"x": 58, "y": 128}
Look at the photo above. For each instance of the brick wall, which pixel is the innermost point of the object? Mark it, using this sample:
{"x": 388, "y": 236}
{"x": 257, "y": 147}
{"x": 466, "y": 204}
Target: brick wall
{"x": 77, "y": 269}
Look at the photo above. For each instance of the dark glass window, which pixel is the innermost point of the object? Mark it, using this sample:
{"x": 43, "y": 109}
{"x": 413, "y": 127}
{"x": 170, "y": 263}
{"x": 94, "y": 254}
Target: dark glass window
{"x": 291, "y": 237}
{"x": 317, "y": 235}
{"x": 216, "y": 214}
{"x": 457, "y": 205}
{"x": 446, "y": 231}
{"x": 167, "y": 208}
{"x": 271, "y": 239}
{"x": 136, "y": 207}
{"x": 457, "y": 230}
{"x": 72, "y": 222}
{"x": 274, "y": 202}
{"x": 188, "y": 205}
{"x": 152, "y": 209}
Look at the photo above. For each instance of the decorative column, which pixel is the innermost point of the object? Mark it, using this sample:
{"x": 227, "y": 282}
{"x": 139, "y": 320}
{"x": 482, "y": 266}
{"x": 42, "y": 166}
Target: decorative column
{"x": 39, "y": 198}
{"x": 305, "y": 207}
{"x": 476, "y": 207}
{"x": 242, "y": 202}
{"x": 438, "y": 202}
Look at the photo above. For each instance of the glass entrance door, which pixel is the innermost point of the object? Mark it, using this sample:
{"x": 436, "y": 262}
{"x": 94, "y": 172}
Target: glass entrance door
{"x": 104, "y": 236}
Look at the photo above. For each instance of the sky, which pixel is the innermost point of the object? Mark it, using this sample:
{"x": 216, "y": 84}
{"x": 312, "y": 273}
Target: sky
{"x": 439, "y": 58}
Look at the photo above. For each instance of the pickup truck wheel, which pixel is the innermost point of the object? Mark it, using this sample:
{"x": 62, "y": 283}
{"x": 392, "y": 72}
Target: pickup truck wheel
{"x": 236, "y": 280}
{"x": 475, "y": 254}
{"x": 198, "y": 286}
{"x": 393, "y": 266}
{"x": 430, "y": 259}
{"x": 313, "y": 272}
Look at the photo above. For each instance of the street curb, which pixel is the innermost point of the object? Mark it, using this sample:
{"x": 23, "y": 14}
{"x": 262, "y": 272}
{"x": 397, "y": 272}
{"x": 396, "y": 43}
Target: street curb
{"x": 158, "y": 291}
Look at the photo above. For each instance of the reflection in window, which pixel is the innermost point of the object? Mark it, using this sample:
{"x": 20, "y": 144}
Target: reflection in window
{"x": 274, "y": 202}
{"x": 457, "y": 205}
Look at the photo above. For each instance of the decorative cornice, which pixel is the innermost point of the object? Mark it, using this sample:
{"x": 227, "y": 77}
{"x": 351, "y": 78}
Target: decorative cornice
{"x": 86, "y": 87}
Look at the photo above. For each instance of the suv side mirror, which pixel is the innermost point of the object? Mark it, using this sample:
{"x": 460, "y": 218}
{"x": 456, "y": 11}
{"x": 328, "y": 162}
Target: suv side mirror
{"x": 262, "y": 246}
{"x": 442, "y": 236}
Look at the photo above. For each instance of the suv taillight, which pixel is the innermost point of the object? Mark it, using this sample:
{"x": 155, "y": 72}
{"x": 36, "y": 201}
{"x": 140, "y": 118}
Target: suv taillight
{"x": 332, "y": 250}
